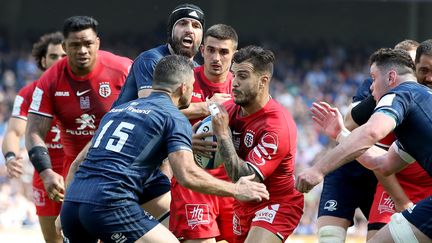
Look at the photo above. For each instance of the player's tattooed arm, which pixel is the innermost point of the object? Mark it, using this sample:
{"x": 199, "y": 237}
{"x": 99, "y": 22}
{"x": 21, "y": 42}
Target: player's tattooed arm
{"x": 36, "y": 131}
{"x": 234, "y": 165}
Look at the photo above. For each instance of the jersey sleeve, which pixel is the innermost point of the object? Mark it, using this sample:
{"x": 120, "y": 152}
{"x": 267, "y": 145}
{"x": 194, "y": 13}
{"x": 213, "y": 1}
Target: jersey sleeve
{"x": 42, "y": 102}
{"x": 271, "y": 149}
{"x": 179, "y": 135}
{"x": 22, "y": 103}
{"x": 395, "y": 105}
{"x": 142, "y": 70}
{"x": 128, "y": 92}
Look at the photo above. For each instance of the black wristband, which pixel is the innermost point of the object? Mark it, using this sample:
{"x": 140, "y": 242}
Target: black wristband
{"x": 40, "y": 159}
{"x": 9, "y": 155}
{"x": 363, "y": 111}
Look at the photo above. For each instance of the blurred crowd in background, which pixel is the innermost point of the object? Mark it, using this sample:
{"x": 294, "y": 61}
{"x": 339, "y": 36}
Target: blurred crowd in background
{"x": 305, "y": 72}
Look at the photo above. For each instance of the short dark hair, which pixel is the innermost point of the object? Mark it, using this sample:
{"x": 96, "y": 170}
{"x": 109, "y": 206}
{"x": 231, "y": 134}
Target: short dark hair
{"x": 40, "y": 48}
{"x": 222, "y": 32}
{"x": 398, "y": 59}
{"x": 171, "y": 71}
{"x": 407, "y": 45}
{"x": 425, "y": 48}
{"x": 261, "y": 59}
{"x": 78, "y": 23}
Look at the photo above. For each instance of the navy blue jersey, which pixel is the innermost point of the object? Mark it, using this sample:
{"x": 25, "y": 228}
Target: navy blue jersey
{"x": 141, "y": 73}
{"x": 409, "y": 104}
{"x": 132, "y": 141}
{"x": 363, "y": 90}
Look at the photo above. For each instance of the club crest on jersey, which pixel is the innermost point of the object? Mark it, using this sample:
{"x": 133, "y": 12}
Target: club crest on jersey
{"x": 248, "y": 138}
{"x": 104, "y": 89}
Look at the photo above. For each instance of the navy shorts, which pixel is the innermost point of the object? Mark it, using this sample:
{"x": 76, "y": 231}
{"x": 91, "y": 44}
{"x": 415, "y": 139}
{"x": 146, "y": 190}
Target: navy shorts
{"x": 83, "y": 222}
{"x": 349, "y": 187}
{"x": 156, "y": 185}
{"x": 421, "y": 216}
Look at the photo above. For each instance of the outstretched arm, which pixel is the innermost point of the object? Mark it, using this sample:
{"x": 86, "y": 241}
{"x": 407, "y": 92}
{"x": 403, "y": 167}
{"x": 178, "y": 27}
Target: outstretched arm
{"x": 189, "y": 175}
{"x": 351, "y": 146}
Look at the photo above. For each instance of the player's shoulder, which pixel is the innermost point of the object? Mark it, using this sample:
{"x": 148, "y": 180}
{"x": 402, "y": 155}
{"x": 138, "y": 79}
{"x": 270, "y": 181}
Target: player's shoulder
{"x": 278, "y": 116}
{"x": 114, "y": 61}
{"x": 155, "y": 54}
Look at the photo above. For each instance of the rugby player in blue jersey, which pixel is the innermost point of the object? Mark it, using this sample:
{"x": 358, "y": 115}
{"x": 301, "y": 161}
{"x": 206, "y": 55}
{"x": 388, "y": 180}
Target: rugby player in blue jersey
{"x": 185, "y": 31}
{"x": 403, "y": 107}
{"x": 103, "y": 199}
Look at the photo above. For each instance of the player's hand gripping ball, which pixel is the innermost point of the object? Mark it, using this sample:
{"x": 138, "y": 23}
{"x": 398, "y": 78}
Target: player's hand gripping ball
{"x": 206, "y": 126}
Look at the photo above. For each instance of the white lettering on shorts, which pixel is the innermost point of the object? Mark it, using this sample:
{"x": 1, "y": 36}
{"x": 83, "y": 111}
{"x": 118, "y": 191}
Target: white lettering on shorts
{"x": 38, "y": 197}
{"x": 236, "y": 225}
{"x": 266, "y": 214}
{"x": 386, "y": 204}
{"x": 197, "y": 214}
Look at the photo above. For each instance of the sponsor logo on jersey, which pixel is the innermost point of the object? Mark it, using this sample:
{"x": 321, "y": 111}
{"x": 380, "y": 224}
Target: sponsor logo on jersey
{"x": 118, "y": 237}
{"x": 265, "y": 148}
{"x": 19, "y": 100}
{"x": 85, "y": 121}
{"x": 38, "y": 197}
{"x": 266, "y": 214}
{"x": 386, "y": 204}
{"x": 330, "y": 205}
{"x": 36, "y": 99}
{"x": 84, "y": 102}
{"x": 197, "y": 214}
{"x": 80, "y": 93}
{"x": 62, "y": 93}
{"x": 236, "y": 142}
{"x": 197, "y": 95}
{"x": 248, "y": 138}
{"x": 104, "y": 89}
{"x": 236, "y": 225}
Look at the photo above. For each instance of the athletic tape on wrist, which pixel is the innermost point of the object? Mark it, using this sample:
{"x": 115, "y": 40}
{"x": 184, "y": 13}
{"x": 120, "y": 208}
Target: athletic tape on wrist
{"x": 40, "y": 159}
{"x": 343, "y": 134}
{"x": 213, "y": 109}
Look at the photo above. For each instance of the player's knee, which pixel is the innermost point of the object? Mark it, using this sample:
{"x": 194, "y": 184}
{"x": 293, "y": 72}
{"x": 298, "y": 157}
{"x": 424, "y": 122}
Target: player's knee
{"x": 331, "y": 234}
{"x": 400, "y": 229}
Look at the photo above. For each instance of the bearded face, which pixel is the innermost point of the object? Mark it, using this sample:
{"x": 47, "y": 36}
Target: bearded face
{"x": 186, "y": 37}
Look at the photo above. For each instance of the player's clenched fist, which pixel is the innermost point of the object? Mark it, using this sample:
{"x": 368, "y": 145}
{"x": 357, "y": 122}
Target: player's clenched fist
{"x": 307, "y": 179}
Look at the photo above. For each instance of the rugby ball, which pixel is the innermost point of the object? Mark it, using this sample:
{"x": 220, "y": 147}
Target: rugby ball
{"x": 202, "y": 161}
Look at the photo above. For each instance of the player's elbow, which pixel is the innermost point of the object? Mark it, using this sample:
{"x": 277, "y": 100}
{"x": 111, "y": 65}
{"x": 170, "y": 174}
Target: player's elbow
{"x": 371, "y": 134}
